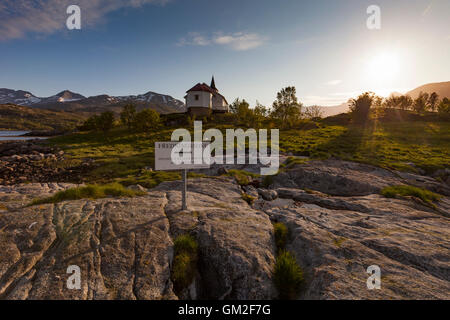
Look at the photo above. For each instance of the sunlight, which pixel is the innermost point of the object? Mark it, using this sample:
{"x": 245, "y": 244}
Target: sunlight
{"x": 383, "y": 67}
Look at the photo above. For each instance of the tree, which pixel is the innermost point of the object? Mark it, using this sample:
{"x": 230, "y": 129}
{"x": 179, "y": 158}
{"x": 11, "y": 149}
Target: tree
{"x": 314, "y": 112}
{"x": 402, "y": 102}
{"x": 235, "y": 105}
{"x": 128, "y": 115}
{"x": 90, "y": 124}
{"x": 444, "y": 107}
{"x": 406, "y": 102}
{"x": 433, "y": 101}
{"x": 360, "y": 107}
{"x": 146, "y": 120}
{"x": 105, "y": 121}
{"x": 286, "y": 108}
{"x": 260, "y": 114}
{"x": 392, "y": 102}
{"x": 421, "y": 103}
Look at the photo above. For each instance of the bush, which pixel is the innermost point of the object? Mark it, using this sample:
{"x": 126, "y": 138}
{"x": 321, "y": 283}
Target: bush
{"x": 242, "y": 177}
{"x": 89, "y": 192}
{"x": 185, "y": 262}
{"x": 404, "y": 190}
{"x": 288, "y": 276}
{"x": 281, "y": 234}
{"x": 248, "y": 198}
{"x": 146, "y": 120}
{"x": 185, "y": 243}
{"x": 128, "y": 115}
{"x": 360, "y": 107}
{"x": 103, "y": 122}
{"x": 267, "y": 181}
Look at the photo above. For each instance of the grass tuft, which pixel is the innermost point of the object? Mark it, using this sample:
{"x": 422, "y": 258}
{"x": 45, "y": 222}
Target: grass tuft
{"x": 89, "y": 192}
{"x": 288, "y": 276}
{"x": 243, "y": 178}
{"x": 281, "y": 234}
{"x": 405, "y": 190}
{"x": 185, "y": 262}
{"x": 248, "y": 198}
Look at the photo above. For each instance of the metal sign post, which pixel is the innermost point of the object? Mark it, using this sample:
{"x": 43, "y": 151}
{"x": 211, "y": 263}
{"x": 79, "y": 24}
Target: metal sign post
{"x": 184, "y": 191}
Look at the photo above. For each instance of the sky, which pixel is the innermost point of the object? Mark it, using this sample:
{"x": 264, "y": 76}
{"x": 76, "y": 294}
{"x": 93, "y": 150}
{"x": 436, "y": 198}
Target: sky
{"x": 252, "y": 47}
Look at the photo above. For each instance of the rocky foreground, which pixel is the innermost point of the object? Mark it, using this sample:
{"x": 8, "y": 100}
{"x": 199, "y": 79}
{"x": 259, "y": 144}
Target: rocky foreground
{"x": 339, "y": 225}
{"x": 33, "y": 161}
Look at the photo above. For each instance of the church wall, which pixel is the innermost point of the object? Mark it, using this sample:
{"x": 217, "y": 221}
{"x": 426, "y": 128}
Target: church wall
{"x": 205, "y": 99}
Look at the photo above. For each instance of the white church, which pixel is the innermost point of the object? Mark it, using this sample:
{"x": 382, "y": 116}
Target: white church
{"x": 203, "y": 100}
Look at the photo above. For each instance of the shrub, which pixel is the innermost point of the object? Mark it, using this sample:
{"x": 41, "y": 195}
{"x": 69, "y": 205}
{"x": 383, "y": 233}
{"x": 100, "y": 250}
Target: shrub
{"x": 89, "y": 192}
{"x": 281, "y": 234}
{"x": 185, "y": 243}
{"x": 128, "y": 115}
{"x": 146, "y": 120}
{"x": 90, "y": 124}
{"x": 360, "y": 107}
{"x": 185, "y": 262}
{"x": 242, "y": 177}
{"x": 248, "y": 198}
{"x": 105, "y": 121}
{"x": 267, "y": 181}
{"x": 404, "y": 190}
{"x": 288, "y": 276}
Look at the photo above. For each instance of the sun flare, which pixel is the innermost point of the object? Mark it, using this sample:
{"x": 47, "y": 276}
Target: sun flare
{"x": 383, "y": 67}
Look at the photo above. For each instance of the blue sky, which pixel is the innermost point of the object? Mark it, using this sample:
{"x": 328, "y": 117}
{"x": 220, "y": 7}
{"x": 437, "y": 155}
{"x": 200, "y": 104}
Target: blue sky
{"x": 253, "y": 47}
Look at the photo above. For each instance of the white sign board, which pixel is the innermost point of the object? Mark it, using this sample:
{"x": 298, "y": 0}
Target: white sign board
{"x": 163, "y": 156}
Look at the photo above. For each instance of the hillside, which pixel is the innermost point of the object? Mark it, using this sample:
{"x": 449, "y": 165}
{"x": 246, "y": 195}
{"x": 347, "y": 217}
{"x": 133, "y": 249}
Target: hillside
{"x": 334, "y": 110}
{"x": 441, "y": 88}
{"x": 14, "y": 117}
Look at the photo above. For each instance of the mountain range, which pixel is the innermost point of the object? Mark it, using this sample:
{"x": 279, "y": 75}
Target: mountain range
{"x": 70, "y": 101}
{"x": 74, "y": 102}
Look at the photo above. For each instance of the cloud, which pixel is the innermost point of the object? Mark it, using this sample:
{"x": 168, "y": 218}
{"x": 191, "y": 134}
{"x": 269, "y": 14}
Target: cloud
{"x": 238, "y": 41}
{"x": 333, "y": 82}
{"x": 20, "y": 17}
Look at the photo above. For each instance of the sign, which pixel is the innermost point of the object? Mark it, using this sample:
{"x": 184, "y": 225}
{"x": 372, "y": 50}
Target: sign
{"x": 163, "y": 156}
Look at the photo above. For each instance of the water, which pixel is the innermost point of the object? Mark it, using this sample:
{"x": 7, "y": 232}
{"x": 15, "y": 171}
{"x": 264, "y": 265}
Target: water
{"x": 15, "y": 135}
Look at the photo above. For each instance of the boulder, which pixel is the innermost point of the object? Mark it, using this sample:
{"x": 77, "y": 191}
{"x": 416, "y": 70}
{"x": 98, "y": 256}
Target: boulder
{"x": 268, "y": 195}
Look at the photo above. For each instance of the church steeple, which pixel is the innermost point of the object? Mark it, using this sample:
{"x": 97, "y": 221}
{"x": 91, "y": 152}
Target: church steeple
{"x": 213, "y": 84}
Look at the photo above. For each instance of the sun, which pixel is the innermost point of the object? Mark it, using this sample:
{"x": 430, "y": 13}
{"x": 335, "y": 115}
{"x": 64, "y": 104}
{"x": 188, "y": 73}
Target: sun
{"x": 383, "y": 67}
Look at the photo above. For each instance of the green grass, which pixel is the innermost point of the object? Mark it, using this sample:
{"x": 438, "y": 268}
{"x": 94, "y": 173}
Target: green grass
{"x": 404, "y": 191}
{"x": 121, "y": 155}
{"x": 185, "y": 262}
{"x": 248, "y": 198}
{"x": 242, "y": 177}
{"x": 281, "y": 234}
{"x": 391, "y": 145}
{"x": 288, "y": 276}
{"x": 89, "y": 192}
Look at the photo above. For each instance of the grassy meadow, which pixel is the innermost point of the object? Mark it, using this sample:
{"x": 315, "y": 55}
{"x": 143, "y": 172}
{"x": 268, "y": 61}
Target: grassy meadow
{"x": 125, "y": 157}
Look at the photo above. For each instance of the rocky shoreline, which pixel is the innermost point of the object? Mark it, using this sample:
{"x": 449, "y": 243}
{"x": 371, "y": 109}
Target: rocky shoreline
{"x": 33, "y": 161}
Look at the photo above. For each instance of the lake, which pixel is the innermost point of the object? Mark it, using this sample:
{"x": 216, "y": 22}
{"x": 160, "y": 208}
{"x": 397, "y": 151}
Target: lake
{"x": 15, "y": 135}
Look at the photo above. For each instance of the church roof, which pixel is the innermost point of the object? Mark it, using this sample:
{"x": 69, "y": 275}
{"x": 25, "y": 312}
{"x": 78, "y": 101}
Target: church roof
{"x": 202, "y": 87}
